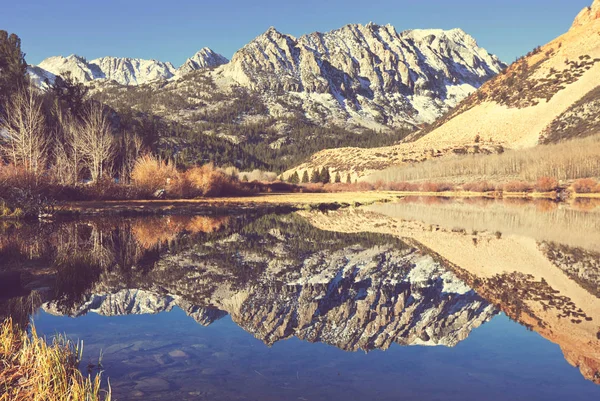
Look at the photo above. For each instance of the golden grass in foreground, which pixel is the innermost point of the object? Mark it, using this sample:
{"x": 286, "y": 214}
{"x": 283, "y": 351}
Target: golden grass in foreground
{"x": 32, "y": 370}
{"x": 570, "y": 160}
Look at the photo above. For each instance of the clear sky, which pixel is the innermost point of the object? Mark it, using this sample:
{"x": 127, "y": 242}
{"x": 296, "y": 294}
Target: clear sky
{"x": 174, "y": 30}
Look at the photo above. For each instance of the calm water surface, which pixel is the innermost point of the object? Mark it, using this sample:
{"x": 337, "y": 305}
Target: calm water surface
{"x": 416, "y": 300}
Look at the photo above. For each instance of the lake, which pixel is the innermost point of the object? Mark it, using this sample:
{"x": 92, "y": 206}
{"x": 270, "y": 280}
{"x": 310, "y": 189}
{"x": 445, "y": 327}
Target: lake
{"x": 419, "y": 299}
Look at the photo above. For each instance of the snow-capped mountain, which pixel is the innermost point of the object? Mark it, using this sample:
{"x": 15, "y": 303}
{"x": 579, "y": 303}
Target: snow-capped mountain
{"x": 125, "y": 71}
{"x": 369, "y": 69}
{"x": 205, "y": 58}
{"x": 359, "y": 79}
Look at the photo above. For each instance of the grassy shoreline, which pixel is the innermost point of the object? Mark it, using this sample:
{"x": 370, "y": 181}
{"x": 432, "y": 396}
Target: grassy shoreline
{"x": 279, "y": 202}
{"x": 33, "y": 369}
{"x": 285, "y": 202}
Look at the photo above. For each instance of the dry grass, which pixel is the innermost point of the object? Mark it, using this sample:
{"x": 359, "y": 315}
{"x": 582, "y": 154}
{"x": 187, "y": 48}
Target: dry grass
{"x": 33, "y": 370}
{"x": 564, "y": 161}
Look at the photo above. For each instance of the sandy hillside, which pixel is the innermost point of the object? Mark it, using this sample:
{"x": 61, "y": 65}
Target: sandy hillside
{"x": 513, "y": 271}
{"x": 512, "y": 111}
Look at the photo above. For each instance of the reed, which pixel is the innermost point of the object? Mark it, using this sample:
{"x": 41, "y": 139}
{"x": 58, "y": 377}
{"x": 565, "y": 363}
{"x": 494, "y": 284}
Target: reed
{"x": 31, "y": 369}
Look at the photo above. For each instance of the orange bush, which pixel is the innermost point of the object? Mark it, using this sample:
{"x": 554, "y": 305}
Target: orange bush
{"x": 546, "y": 184}
{"x": 516, "y": 186}
{"x": 206, "y": 181}
{"x": 479, "y": 186}
{"x": 436, "y": 186}
{"x": 151, "y": 174}
{"x": 586, "y": 186}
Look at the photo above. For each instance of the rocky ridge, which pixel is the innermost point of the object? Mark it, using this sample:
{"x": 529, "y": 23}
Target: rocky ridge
{"x": 124, "y": 71}
{"x": 370, "y": 71}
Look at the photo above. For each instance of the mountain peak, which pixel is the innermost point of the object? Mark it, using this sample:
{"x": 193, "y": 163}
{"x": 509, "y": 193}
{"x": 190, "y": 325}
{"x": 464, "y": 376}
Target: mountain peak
{"x": 204, "y": 58}
{"x": 587, "y": 15}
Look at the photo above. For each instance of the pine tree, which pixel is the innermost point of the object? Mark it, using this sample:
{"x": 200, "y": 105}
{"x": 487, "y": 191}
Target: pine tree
{"x": 294, "y": 179}
{"x": 70, "y": 93}
{"x": 13, "y": 68}
{"x": 305, "y": 178}
{"x": 338, "y": 178}
{"x": 315, "y": 176}
{"x": 325, "y": 176}
{"x": 348, "y": 179}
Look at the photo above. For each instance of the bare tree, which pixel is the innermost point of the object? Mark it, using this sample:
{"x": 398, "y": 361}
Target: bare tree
{"x": 130, "y": 148}
{"x": 68, "y": 152}
{"x": 23, "y": 131}
{"x": 95, "y": 140}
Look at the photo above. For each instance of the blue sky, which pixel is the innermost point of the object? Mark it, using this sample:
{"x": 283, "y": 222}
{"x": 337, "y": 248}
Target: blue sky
{"x": 175, "y": 30}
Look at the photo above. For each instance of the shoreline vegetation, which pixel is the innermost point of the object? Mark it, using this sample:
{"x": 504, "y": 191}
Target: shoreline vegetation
{"x": 208, "y": 189}
{"x": 33, "y": 369}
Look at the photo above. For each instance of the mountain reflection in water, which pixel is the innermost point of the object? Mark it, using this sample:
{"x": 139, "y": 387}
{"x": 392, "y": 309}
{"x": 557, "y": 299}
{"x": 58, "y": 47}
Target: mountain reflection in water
{"x": 357, "y": 279}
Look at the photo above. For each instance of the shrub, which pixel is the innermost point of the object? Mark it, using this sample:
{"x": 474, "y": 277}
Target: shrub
{"x": 479, "y": 186}
{"x": 516, "y": 186}
{"x": 206, "y": 181}
{"x": 151, "y": 174}
{"x": 381, "y": 185}
{"x": 436, "y": 186}
{"x": 105, "y": 188}
{"x": 546, "y": 184}
{"x": 25, "y": 192}
{"x": 586, "y": 186}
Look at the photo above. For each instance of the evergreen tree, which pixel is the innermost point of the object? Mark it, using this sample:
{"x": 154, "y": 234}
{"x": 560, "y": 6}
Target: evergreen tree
{"x": 315, "y": 176}
{"x": 13, "y": 68}
{"x": 348, "y": 179}
{"x": 305, "y": 178}
{"x": 69, "y": 93}
{"x": 294, "y": 179}
{"x": 338, "y": 177}
{"x": 325, "y": 176}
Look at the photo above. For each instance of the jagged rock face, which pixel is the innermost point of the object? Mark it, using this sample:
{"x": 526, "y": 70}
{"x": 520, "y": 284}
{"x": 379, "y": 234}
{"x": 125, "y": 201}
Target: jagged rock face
{"x": 587, "y": 15}
{"x": 205, "y": 58}
{"x": 419, "y": 72}
{"x": 128, "y": 71}
{"x": 368, "y": 306}
{"x": 124, "y": 71}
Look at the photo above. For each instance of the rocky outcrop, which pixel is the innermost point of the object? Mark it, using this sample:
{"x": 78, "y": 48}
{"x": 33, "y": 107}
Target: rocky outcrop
{"x": 587, "y": 15}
